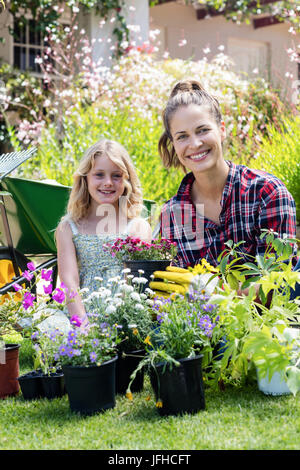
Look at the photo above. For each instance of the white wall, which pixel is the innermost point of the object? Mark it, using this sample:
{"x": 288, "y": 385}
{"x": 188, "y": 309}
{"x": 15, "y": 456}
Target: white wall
{"x": 267, "y": 46}
{"x": 136, "y": 13}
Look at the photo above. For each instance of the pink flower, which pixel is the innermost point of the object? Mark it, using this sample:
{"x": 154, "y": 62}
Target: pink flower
{"x": 28, "y": 275}
{"x": 76, "y": 320}
{"x": 48, "y": 289}
{"x": 72, "y": 294}
{"x": 47, "y": 274}
{"x": 28, "y": 300}
{"x": 31, "y": 266}
{"x": 17, "y": 287}
{"x": 59, "y": 295}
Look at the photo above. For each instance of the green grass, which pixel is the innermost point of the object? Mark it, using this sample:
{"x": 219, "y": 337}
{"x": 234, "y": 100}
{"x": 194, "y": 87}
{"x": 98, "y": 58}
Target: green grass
{"x": 234, "y": 419}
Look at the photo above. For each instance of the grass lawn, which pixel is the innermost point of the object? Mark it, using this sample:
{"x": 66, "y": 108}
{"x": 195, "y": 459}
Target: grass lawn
{"x": 233, "y": 420}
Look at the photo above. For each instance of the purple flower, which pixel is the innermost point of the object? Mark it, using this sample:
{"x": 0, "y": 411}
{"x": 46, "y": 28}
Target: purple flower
{"x": 28, "y": 275}
{"x": 47, "y": 274}
{"x": 206, "y": 325}
{"x": 35, "y": 335}
{"x": 76, "y": 320}
{"x": 70, "y": 352}
{"x": 93, "y": 356}
{"x": 63, "y": 350}
{"x": 17, "y": 287}
{"x": 48, "y": 289}
{"x": 95, "y": 342}
{"x": 31, "y": 266}
{"x": 59, "y": 295}
{"x": 28, "y": 300}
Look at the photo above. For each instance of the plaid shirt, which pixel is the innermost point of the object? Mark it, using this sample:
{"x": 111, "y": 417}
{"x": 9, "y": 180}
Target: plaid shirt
{"x": 252, "y": 200}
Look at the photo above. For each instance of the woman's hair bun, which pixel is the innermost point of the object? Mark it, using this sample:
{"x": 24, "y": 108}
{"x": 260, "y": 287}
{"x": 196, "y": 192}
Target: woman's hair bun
{"x": 184, "y": 86}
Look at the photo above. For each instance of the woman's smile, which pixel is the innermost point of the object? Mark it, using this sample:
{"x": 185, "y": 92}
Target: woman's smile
{"x": 199, "y": 155}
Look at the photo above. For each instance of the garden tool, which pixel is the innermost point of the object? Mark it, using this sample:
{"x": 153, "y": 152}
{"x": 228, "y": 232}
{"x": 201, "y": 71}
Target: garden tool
{"x": 181, "y": 281}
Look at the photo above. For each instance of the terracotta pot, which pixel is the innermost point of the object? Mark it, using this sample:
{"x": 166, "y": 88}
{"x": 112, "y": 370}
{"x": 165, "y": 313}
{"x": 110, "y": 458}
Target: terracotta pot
{"x": 9, "y": 371}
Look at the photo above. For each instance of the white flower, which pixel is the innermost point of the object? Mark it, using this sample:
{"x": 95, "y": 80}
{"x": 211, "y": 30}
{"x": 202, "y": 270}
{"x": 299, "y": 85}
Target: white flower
{"x": 84, "y": 290}
{"x": 139, "y": 280}
{"x": 149, "y": 302}
{"x": 135, "y": 296}
{"x": 126, "y": 288}
{"x": 111, "y": 309}
{"x": 126, "y": 270}
{"x": 141, "y": 271}
{"x": 149, "y": 291}
{"x": 139, "y": 306}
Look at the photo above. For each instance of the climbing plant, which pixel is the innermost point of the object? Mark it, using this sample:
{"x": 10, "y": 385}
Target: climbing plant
{"x": 47, "y": 13}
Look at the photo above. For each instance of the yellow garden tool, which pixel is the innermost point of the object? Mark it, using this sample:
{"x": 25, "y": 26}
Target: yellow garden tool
{"x": 180, "y": 280}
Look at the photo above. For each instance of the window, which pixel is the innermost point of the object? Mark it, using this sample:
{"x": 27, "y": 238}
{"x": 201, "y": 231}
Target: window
{"x": 251, "y": 57}
{"x": 27, "y": 46}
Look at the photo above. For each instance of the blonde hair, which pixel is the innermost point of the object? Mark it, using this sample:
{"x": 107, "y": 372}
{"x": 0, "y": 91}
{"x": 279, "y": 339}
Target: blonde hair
{"x": 80, "y": 199}
{"x": 184, "y": 93}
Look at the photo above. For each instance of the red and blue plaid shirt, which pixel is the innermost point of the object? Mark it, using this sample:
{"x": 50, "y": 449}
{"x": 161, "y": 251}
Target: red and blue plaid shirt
{"x": 252, "y": 200}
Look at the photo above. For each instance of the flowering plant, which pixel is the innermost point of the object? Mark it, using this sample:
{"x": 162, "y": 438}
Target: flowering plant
{"x": 255, "y": 307}
{"x": 25, "y": 309}
{"x": 186, "y": 325}
{"x": 136, "y": 249}
{"x": 87, "y": 347}
{"x": 123, "y": 306}
{"x": 45, "y": 346}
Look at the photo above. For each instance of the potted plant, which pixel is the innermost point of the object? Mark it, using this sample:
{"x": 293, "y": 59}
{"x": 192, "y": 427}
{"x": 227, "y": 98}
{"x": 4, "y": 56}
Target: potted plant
{"x": 276, "y": 354}
{"x": 47, "y": 380}
{"x": 139, "y": 255}
{"x": 123, "y": 305}
{"x": 22, "y": 311}
{"x": 254, "y": 299}
{"x": 177, "y": 349}
{"x": 88, "y": 359}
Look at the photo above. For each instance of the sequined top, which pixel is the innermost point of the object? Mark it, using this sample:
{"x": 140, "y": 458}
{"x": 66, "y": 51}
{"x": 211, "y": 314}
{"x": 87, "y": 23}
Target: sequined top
{"x": 93, "y": 260}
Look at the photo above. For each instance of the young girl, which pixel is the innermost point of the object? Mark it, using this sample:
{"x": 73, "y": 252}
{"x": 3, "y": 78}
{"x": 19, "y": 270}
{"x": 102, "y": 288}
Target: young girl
{"x": 104, "y": 204}
{"x": 217, "y": 200}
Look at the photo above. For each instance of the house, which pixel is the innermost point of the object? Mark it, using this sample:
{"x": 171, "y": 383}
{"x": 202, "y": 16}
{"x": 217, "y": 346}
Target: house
{"x": 258, "y": 49}
{"x": 21, "y": 49}
{"x": 185, "y": 31}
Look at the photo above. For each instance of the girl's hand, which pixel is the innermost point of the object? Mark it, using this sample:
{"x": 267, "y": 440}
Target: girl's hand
{"x": 85, "y": 325}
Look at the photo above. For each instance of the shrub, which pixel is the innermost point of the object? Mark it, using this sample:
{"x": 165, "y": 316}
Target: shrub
{"x": 279, "y": 154}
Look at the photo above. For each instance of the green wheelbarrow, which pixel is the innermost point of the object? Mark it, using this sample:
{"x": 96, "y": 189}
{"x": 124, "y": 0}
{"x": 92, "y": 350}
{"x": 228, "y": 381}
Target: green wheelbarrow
{"x": 31, "y": 211}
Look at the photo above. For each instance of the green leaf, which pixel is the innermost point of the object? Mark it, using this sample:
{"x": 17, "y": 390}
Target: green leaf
{"x": 293, "y": 379}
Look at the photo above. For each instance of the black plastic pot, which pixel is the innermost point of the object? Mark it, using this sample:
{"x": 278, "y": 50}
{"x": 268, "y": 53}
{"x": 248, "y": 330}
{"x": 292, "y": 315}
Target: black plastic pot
{"x": 181, "y": 389}
{"x": 125, "y": 366}
{"x": 91, "y": 389}
{"x": 148, "y": 266}
{"x": 36, "y": 385}
{"x": 31, "y": 385}
{"x": 53, "y": 385}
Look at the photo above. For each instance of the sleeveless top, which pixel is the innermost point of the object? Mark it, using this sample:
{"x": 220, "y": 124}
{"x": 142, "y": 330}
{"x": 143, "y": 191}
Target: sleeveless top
{"x": 93, "y": 260}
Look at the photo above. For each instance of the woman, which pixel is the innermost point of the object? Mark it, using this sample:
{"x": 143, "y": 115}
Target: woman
{"x": 217, "y": 200}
